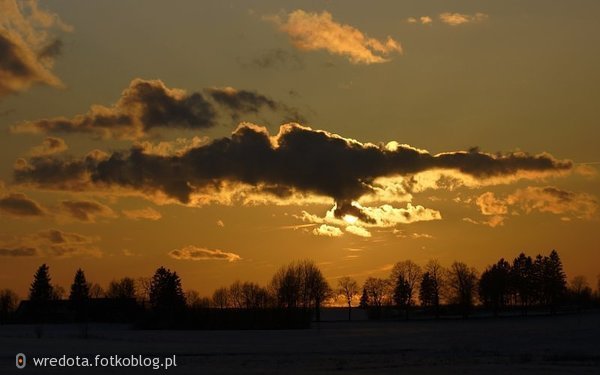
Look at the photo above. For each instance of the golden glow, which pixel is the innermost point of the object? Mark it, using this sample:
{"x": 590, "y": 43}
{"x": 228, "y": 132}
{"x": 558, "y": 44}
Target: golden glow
{"x": 350, "y": 219}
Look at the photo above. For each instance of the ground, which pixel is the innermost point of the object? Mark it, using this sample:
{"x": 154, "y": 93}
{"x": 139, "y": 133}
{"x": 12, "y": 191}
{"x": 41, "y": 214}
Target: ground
{"x": 567, "y": 344}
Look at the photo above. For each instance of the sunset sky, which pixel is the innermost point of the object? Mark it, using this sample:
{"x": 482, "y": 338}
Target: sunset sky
{"x": 225, "y": 139}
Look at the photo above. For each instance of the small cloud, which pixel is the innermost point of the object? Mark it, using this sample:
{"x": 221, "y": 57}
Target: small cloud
{"x": 197, "y": 253}
{"x": 358, "y": 231}
{"x": 18, "y": 204}
{"x": 220, "y": 223}
{"x": 147, "y": 213}
{"x": 455, "y": 19}
{"x": 327, "y": 231}
{"x": 424, "y": 20}
{"x": 318, "y": 31}
{"x": 85, "y": 210}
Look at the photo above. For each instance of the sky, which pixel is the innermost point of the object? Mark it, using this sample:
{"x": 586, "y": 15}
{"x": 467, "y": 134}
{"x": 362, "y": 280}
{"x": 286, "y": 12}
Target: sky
{"x": 226, "y": 139}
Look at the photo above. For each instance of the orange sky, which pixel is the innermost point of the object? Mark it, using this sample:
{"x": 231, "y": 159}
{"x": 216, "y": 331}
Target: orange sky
{"x": 224, "y": 141}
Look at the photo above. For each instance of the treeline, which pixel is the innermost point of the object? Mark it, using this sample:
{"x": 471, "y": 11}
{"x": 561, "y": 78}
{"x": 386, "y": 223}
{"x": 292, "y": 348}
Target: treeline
{"x": 525, "y": 283}
{"x": 292, "y": 298}
{"x": 297, "y": 291}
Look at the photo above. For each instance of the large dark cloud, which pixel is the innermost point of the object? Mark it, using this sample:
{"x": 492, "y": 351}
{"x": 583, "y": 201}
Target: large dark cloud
{"x": 298, "y": 159}
{"x": 18, "y": 204}
{"x": 149, "y": 104}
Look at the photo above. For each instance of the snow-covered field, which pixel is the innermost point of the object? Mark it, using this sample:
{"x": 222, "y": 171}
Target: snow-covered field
{"x": 531, "y": 345}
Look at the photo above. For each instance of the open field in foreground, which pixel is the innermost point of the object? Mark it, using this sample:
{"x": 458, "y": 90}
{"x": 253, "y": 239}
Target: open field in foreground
{"x": 531, "y": 345}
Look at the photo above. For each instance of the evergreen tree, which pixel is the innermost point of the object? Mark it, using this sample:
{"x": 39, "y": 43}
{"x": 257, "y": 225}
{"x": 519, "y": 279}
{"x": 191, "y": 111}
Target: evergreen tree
{"x": 364, "y": 299}
{"x": 494, "y": 285}
{"x": 80, "y": 290}
{"x": 402, "y": 294}
{"x": 555, "y": 280}
{"x": 428, "y": 291}
{"x": 166, "y": 293}
{"x": 41, "y": 289}
{"x": 522, "y": 281}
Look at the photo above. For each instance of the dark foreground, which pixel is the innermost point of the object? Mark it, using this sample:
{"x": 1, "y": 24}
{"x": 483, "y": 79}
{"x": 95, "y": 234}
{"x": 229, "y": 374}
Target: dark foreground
{"x": 567, "y": 344}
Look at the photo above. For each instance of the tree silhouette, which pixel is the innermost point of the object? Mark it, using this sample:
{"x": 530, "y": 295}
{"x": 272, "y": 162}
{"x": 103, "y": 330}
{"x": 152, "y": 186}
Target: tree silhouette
{"x": 121, "y": 289}
{"x": 220, "y": 298}
{"x": 580, "y": 292}
{"x": 433, "y": 290}
{"x": 402, "y": 294}
{"x": 364, "y": 299}
{"x": 463, "y": 283}
{"x": 348, "y": 288}
{"x": 523, "y": 281}
{"x": 555, "y": 280}
{"x": 166, "y": 294}
{"x": 96, "y": 291}
{"x": 8, "y": 304}
{"x": 428, "y": 291}
{"x": 377, "y": 291}
{"x": 300, "y": 284}
{"x": 80, "y": 291}
{"x": 41, "y": 290}
{"x": 411, "y": 273}
{"x": 494, "y": 285}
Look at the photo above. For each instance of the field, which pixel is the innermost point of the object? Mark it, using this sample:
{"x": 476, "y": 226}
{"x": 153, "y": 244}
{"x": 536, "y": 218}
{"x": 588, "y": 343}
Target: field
{"x": 567, "y": 344}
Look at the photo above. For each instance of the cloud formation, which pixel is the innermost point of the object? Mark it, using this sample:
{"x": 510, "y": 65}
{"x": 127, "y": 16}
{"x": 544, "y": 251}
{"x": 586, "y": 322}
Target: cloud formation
{"x": 85, "y": 210}
{"x": 18, "y": 252}
{"x": 147, "y": 213}
{"x": 547, "y": 199}
{"x": 149, "y": 104}
{"x": 50, "y": 242}
{"x": 198, "y": 253}
{"x": 327, "y": 231}
{"x": 49, "y": 146}
{"x": 296, "y": 163}
{"x": 27, "y": 46}
{"x": 456, "y": 19}
{"x": 18, "y": 204}
{"x": 318, "y": 31}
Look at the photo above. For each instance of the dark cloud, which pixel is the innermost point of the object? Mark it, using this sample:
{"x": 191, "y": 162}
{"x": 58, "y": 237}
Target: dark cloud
{"x": 142, "y": 106}
{"x": 18, "y": 252}
{"x": 150, "y": 104}
{"x": 26, "y": 57}
{"x": 18, "y": 204}
{"x": 298, "y": 159}
{"x": 86, "y": 210}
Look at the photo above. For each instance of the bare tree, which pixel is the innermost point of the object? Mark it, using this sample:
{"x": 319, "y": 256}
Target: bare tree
{"x": 195, "y": 301}
{"x": 8, "y": 304}
{"x": 123, "y": 289}
{"x": 409, "y": 274}
{"x": 300, "y": 284}
{"x": 236, "y": 297}
{"x": 220, "y": 298}
{"x": 348, "y": 288}
{"x": 435, "y": 284}
{"x": 143, "y": 288}
{"x": 462, "y": 282}
{"x": 96, "y": 290}
{"x": 377, "y": 291}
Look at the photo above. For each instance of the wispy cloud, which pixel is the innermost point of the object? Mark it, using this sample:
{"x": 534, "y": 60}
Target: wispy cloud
{"x": 456, "y": 19}
{"x": 199, "y": 253}
{"x": 318, "y": 31}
